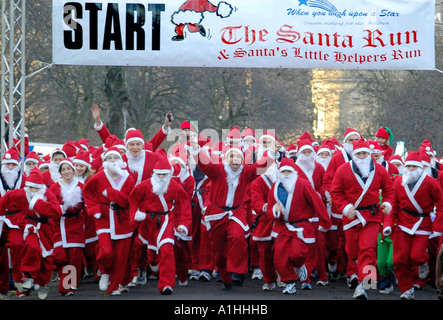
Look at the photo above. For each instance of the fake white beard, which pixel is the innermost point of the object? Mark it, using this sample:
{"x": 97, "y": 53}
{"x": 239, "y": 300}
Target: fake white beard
{"x": 348, "y": 148}
{"x": 324, "y": 161}
{"x": 231, "y": 175}
{"x": 160, "y": 186}
{"x": 53, "y": 170}
{"x": 115, "y": 167}
{"x": 307, "y": 163}
{"x": 136, "y": 164}
{"x": 428, "y": 171}
{"x": 28, "y": 170}
{"x": 363, "y": 165}
{"x": 39, "y": 193}
{"x": 72, "y": 196}
{"x": 380, "y": 160}
{"x": 288, "y": 181}
{"x": 409, "y": 177}
{"x": 271, "y": 172}
{"x": 433, "y": 162}
{"x": 10, "y": 176}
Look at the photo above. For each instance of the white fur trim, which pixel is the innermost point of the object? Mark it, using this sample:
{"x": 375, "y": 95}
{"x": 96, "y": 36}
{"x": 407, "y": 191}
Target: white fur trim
{"x": 234, "y": 150}
{"x": 162, "y": 171}
{"x": 98, "y": 127}
{"x": 346, "y": 209}
{"x": 97, "y": 215}
{"x": 186, "y": 16}
{"x": 324, "y": 150}
{"x": 33, "y": 201}
{"x": 224, "y": 9}
{"x": 31, "y": 160}
{"x": 387, "y": 231}
{"x": 5, "y": 161}
{"x": 134, "y": 139}
{"x": 289, "y": 168}
{"x": 304, "y": 148}
{"x": 139, "y": 216}
{"x": 387, "y": 204}
{"x": 267, "y": 136}
{"x": 82, "y": 162}
{"x": 354, "y": 152}
{"x": 396, "y": 161}
{"x": 350, "y": 134}
{"x": 178, "y": 159}
{"x": 166, "y": 131}
{"x": 414, "y": 163}
{"x": 184, "y": 228}
{"x": 114, "y": 153}
{"x": 34, "y": 185}
{"x": 276, "y": 214}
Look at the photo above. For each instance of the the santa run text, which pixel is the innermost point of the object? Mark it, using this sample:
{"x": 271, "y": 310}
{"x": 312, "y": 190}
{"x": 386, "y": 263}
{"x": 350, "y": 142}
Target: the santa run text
{"x": 286, "y": 35}
{"x": 224, "y": 309}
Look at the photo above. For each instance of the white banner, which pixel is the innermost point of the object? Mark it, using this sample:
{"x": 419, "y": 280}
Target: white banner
{"x": 334, "y": 34}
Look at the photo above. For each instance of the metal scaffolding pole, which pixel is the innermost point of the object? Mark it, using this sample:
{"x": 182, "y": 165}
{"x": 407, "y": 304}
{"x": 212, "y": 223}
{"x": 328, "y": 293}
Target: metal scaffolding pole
{"x": 13, "y": 67}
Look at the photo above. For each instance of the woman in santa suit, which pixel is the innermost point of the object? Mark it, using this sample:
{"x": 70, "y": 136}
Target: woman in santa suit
{"x": 416, "y": 196}
{"x": 69, "y": 230}
{"x": 292, "y": 202}
{"x": 163, "y": 206}
{"x": 106, "y": 196}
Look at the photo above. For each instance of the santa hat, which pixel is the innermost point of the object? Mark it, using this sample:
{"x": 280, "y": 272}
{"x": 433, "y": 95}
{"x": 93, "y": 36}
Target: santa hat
{"x": 334, "y": 140}
{"x": 349, "y": 132}
{"x": 360, "y": 146}
{"x": 32, "y": 157}
{"x": 425, "y": 159}
{"x": 43, "y": 164}
{"x": 162, "y": 166}
{"x": 287, "y": 164}
{"x": 70, "y": 149}
{"x": 426, "y": 147}
{"x": 134, "y": 135}
{"x": 326, "y": 146}
{"x": 292, "y": 149}
{"x": 234, "y": 135}
{"x": 248, "y": 133}
{"x": 304, "y": 144}
{"x": 11, "y": 156}
{"x": 58, "y": 151}
{"x": 234, "y": 149}
{"x": 269, "y": 135}
{"x": 385, "y": 133}
{"x": 113, "y": 151}
{"x": 84, "y": 158}
{"x": 176, "y": 170}
{"x": 180, "y": 159}
{"x": 307, "y": 136}
{"x": 84, "y": 143}
{"x": 396, "y": 159}
{"x": 375, "y": 147}
{"x": 68, "y": 162}
{"x": 187, "y": 124}
{"x": 414, "y": 159}
{"x": 35, "y": 179}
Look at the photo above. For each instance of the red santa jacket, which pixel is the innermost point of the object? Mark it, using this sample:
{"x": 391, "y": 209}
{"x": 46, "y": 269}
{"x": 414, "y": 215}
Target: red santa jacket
{"x": 409, "y": 205}
{"x": 160, "y": 213}
{"x": 302, "y": 204}
{"x": 11, "y": 219}
{"x": 146, "y": 167}
{"x": 259, "y": 198}
{"x": 348, "y": 190}
{"x": 315, "y": 179}
{"x": 35, "y": 216}
{"x": 225, "y": 200}
{"x": 69, "y": 230}
{"x": 109, "y": 203}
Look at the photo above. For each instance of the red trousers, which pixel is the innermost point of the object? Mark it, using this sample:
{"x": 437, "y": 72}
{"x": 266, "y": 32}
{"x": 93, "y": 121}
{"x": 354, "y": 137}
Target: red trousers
{"x": 33, "y": 264}
{"x": 113, "y": 259}
{"x": 68, "y": 257}
{"x": 361, "y": 245}
{"x": 230, "y": 247}
{"x": 289, "y": 252}
{"x": 196, "y": 226}
{"x": 409, "y": 251}
{"x": 266, "y": 260}
{"x": 206, "y": 251}
{"x": 166, "y": 266}
{"x": 182, "y": 252}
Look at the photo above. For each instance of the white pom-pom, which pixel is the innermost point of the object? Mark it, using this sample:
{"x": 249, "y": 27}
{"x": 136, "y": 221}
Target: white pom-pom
{"x": 8, "y": 156}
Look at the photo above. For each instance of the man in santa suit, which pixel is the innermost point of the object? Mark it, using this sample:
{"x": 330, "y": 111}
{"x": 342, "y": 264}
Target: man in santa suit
{"x": 384, "y": 138}
{"x": 106, "y": 195}
{"x": 190, "y": 14}
{"x": 355, "y": 192}
{"x": 10, "y": 234}
{"x": 261, "y": 230}
{"x": 416, "y": 196}
{"x": 426, "y": 146}
{"x": 397, "y": 161}
{"x": 293, "y": 203}
{"x": 53, "y": 174}
{"x": 37, "y": 205}
{"x": 163, "y": 205}
{"x": 338, "y": 257}
{"x": 307, "y": 168}
{"x": 32, "y": 160}
{"x": 226, "y": 213}
{"x": 325, "y": 152}
{"x": 378, "y": 156}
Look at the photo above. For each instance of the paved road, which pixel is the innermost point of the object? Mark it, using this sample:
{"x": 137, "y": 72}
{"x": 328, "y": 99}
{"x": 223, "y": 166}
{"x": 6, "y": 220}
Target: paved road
{"x": 211, "y": 291}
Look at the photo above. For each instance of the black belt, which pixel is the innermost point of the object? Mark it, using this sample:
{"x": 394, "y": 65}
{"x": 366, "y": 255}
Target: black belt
{"x": 70, "y": 214}
{"x": 158, "y": 214}
{"x": 228, "y": 208}
{"x": 8, "y": 213}
{"x": 370, "y": 208}
{"x": 294, "y": 224}
{"x": 41, "y": 220}
{"x": 114, "y": 207}
{"x": 417, "y": 214}
{"x": 199, "y": 191}
{"x": 254, "y": 225}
